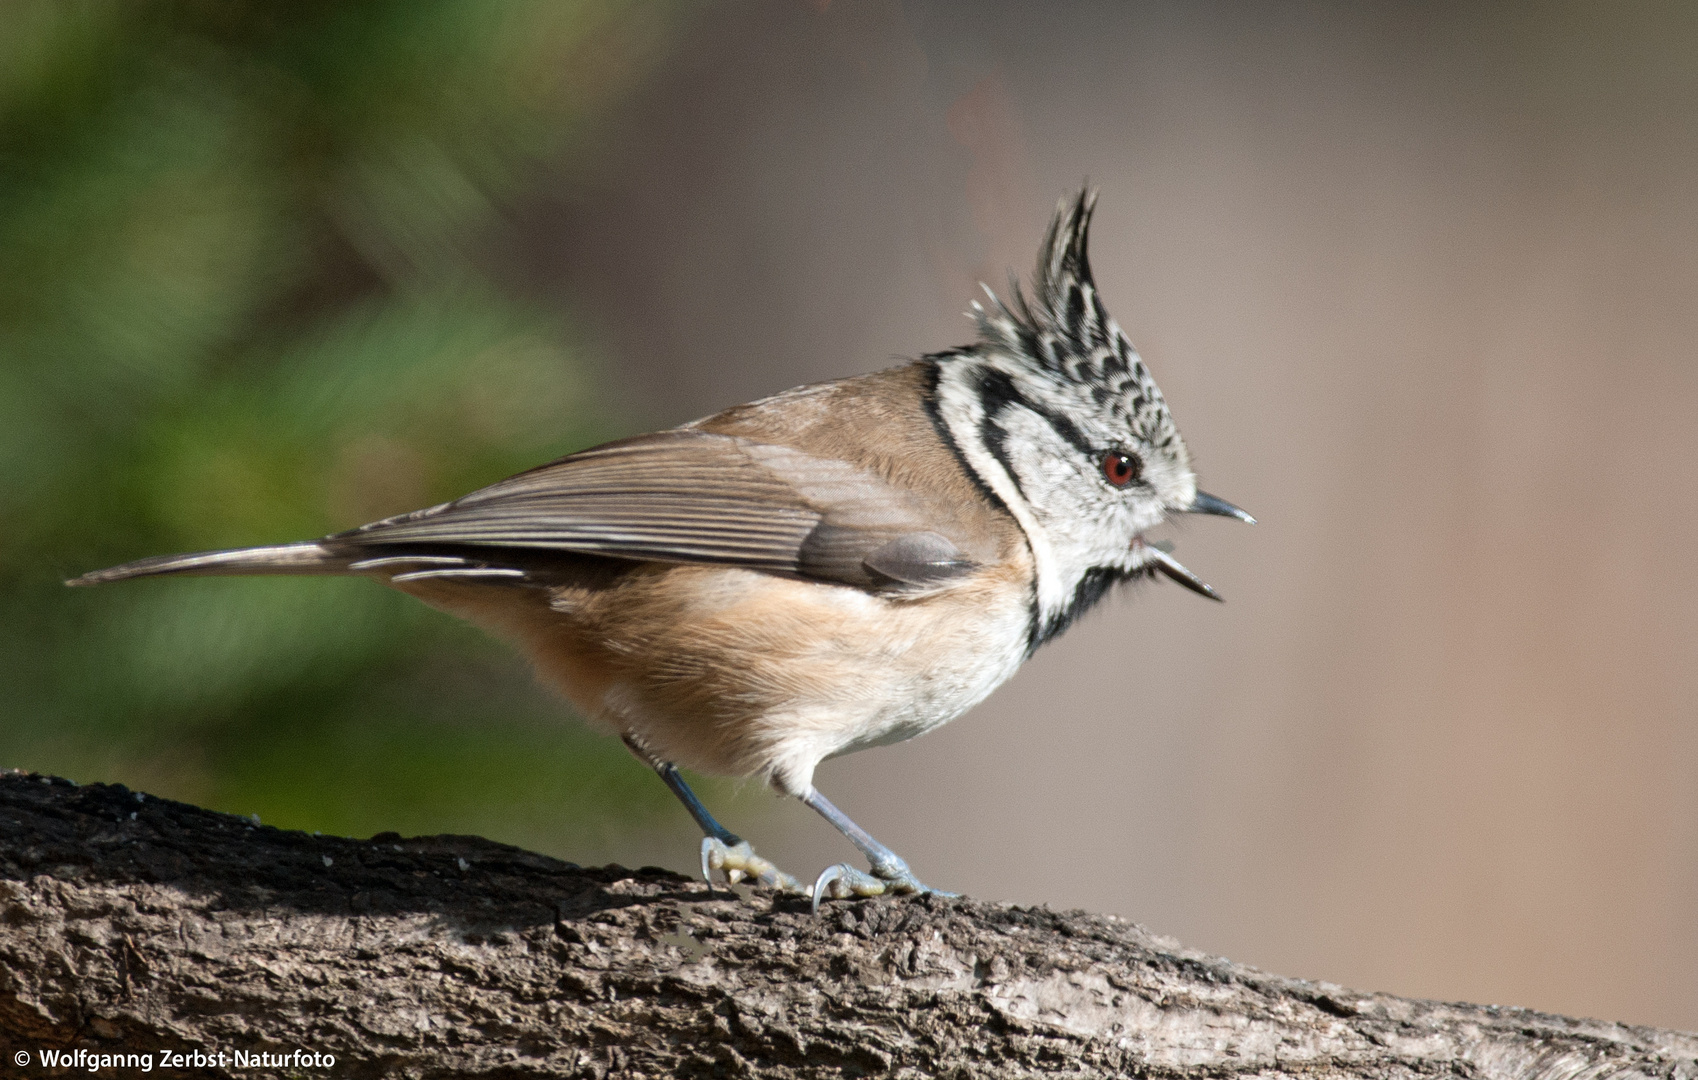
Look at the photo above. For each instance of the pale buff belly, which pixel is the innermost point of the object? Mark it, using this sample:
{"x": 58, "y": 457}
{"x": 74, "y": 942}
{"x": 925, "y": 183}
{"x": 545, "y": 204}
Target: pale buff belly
{"x": 740, "y": 673}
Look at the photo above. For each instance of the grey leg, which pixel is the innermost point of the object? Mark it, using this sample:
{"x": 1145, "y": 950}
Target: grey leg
{"x": 890, "y": 873}
{"x": 722, "y": 849}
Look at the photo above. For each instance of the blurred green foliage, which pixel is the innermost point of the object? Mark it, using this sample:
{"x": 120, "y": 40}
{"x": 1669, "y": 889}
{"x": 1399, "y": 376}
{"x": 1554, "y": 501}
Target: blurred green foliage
{"x": 245, "y": 297}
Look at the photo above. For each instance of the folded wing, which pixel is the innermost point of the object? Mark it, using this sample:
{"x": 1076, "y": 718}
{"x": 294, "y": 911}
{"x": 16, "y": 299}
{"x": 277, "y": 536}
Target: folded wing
{"x": 693, "y": 497}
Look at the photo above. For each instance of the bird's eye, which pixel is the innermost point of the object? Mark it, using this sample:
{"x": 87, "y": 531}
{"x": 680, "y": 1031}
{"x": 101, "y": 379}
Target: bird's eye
{"x": 1121, "y": 469}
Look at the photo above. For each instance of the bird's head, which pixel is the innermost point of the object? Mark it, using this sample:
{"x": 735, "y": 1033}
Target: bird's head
{"x": 1056, "y": 412}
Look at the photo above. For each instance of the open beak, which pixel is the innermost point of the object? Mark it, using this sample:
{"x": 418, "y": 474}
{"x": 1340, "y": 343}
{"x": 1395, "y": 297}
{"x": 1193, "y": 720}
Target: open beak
{"x": 1161, "y": 556}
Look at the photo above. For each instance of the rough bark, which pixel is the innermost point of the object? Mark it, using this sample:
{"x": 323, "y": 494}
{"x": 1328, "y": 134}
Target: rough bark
{"x": 130, "y": 924}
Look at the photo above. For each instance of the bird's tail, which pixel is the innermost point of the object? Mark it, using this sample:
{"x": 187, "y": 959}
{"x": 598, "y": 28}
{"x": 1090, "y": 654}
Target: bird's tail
{"x": 306, "y": 557}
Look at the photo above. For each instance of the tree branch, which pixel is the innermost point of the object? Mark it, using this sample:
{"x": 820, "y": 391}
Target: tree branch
{"x": 130, "y": 924}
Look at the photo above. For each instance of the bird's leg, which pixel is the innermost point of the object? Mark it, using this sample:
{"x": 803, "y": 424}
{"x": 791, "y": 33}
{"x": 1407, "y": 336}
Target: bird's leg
{"x": 722, "y": 849}
{"x": 890, "y": 873}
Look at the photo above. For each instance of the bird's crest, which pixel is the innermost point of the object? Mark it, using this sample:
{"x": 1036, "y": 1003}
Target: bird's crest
{"x": 1062, "y": 332}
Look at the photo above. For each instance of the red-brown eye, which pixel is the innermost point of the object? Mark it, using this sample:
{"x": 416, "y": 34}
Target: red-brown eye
{"x": 1120, "y": 469}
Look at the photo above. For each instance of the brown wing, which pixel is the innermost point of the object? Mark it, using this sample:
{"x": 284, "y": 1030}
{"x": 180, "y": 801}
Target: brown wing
{"x": 694, "y": 497}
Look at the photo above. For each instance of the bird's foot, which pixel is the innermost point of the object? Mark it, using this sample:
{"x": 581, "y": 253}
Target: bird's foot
{"x": 738, "y": 862}
{"x": 893, "y": 877}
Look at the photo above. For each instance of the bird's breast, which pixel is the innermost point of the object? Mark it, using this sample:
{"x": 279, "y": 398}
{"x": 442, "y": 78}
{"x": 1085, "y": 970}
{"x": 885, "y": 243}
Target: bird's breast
{"x": 738, "y": 672}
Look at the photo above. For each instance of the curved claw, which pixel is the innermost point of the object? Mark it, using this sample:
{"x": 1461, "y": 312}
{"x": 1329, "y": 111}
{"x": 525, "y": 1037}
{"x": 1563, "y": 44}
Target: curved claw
{"x": 738, "y": 861}
{"x": 829, "y": 877}
{"x": 843, "y": 880}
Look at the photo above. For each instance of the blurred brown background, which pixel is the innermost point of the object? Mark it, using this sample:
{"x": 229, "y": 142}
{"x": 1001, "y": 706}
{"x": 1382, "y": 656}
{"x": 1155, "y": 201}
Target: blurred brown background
{"x": 1420, "y": 282}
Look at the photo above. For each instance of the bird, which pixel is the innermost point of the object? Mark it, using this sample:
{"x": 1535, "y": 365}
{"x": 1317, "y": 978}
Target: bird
{"x": 839, "y": 566}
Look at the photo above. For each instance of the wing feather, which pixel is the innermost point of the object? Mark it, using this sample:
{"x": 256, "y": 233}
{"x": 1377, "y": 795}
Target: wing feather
{"x": 692, "y": 497}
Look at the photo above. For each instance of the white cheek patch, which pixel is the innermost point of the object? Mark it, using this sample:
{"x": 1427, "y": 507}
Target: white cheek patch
{"x": 1085, "y": 524}
{"x": 1073, "y": 521}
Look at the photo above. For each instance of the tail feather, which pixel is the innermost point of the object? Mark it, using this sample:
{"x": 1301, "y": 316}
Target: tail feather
{"x": 306, "y": 557}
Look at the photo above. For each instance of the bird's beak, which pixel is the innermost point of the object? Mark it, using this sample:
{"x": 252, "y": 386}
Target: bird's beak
{"x": 1205, "y": 503}
{"x": 1160, "y": 553}
{"x": 1169, "y": 566}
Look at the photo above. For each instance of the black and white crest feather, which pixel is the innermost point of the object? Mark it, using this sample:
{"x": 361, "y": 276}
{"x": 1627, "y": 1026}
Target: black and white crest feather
{"x": 1064, "y": 330}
